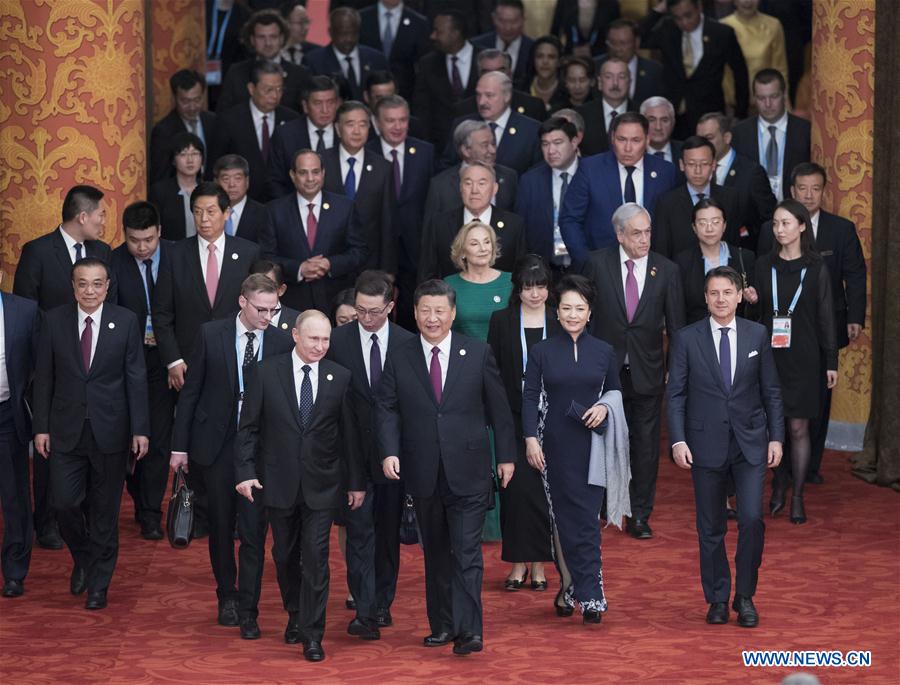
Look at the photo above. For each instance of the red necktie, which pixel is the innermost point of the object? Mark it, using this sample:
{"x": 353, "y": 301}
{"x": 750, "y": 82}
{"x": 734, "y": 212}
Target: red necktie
{"x": 212, "y": 274}
{"x": 265, "y": 137}
{"x": 311, "y": 226}
{"x": 434, "y": 370}
{"x": 87, "y": 339}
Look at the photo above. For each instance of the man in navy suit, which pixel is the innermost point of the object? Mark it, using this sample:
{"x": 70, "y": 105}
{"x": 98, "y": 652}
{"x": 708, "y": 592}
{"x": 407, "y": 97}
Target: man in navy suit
{"x": 19, "y": 326}
{"x": 646, "y": 74}
{"x": 232, "y": 172}
{"x": 344, "y": 56}
{"x": 316, "y": 237}
{"x": 509, "y": 37}
{"x": 726, "y": 420}
{"x": 606, "y": 181}
{"x": 401, "y": 34}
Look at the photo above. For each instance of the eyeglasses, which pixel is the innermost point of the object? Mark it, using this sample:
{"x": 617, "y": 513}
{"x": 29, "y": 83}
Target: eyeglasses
{"x": 698, "y": 165}
{"x": 262, "y": 311}
{"x": 706, "y": 223}
{"x": 362, "y": 311}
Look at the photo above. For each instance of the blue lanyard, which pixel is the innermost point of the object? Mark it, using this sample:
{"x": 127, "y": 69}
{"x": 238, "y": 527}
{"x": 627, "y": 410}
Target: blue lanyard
{"x": 793, "y": 304}
{"x": 724, "y": 255}
{"x": 576, "y": 35}
{"x": 240, "y": 358}
{"x": 214, "y": 29}
{"x": 525, "y": 343}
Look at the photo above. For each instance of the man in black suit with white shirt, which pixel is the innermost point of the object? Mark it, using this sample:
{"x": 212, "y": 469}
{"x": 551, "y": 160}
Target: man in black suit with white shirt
{"x": 613, "y": 80}
{"x": 646, "y": 74}
{"x": 248, "y": 216}
{"x": 401, "y": 34}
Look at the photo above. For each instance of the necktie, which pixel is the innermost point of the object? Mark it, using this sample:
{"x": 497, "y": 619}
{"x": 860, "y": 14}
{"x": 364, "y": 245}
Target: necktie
{"x": 455, "y": 79}
{"x": 351, "y": 74}
{"x": 249, "y": 352}
{"x": 229, "y": 226}
{"x": 192, "y": 127}
{"x": 565, "y": 186}
{"x": 772, "y": 153}
{"x": 687, "y": 54}
{"x": 78, "y": 253}
{"x": 725, "y": 358}
{"x": 660, "y": 153}
{"x": 265, "y": 138}
{"x": 311, "y": 226}
{"x": 374, "y": 362}
{"x": 350, "y": 180}
{"x": 398, "y": 182}
{"x": 630, "y": 192}
{"x": 87, "y": 339}
{"x": 148, "y": 278}
{"x": 434, "y": 370}
{"x": 212, "y": 274}
{"x": 320, "y": 145}
{"x": 494, "y": 128}
{"x": 612, "y": 117}
{"x": 700, "y": 196}
{"x": 387, "y": 38}
{"x": 631, "y": 291}
{"x": 306, "y": 397}
{"x": 293, "y": 53}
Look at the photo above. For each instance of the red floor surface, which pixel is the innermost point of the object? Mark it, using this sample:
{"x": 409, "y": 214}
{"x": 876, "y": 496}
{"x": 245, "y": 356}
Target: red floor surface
{"x": 831, "y": 584}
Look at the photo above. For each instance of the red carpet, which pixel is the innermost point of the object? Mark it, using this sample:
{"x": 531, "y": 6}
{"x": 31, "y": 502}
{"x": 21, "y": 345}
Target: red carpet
{"x": 832, "y": 584}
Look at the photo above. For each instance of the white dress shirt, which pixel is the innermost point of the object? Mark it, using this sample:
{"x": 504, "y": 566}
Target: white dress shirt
{"x": 640, "y": 270}
{"x": 763, "y": 137}
{"x": 401, "y": 155}
{"x": 696, "y": 38}
{"x": 732, "y": 340}
{"x": 203, "y": 251}
{"x": 298, "y": 376}
{"x": 501, "y": 122}
{"x": 257, "y": 116}
{"x": 443, "y": 355}
{"x": 236, "y": 211}
{"x": 633, "y": 70}
{"x": 667, "y": 152}
{"x": 354, "y": 58}
{"x": 463, "y": 63}
{"x": 724, "y": 166}
{"x": 365, "y": 339}
{"x": 637, "y": 178}
{"x": 327, "y": 134}
{"x": 484, "y": 217}
{"x": 358, "y": 166}
{"x": 512, "y": 50}
{"x": 814, "y": 220}
{"x": 4, "y": 376}
{"x": 395, "y": 12}
{"x": 608, "y": 109}
{"x": 196, "y": 127}
{"x": 70, "y": 245}
{"x": 95, "y": 327}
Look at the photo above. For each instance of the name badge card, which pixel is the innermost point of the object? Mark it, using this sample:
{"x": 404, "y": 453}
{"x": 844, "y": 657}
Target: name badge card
{"x": 781, "y": 332}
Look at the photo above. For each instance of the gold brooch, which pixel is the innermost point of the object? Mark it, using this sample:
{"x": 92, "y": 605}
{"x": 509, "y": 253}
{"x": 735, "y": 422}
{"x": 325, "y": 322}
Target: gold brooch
{"x": 326, "y": 206}
{"x": 412, "y": 150}
{"x": 512, "y": 131}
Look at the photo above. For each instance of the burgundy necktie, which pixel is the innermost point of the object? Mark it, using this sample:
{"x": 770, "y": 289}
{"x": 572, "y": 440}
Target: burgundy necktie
{"x": 374, "y": 362}
{"x": 311, "y": 226}
{"x": 87, "y": 340}
{"x": 455, "y": 78}
{"x": 265, "y": 138}
{"x": 434, "y": 370}
{"x": 395, "y": 163}
{"x": 212, "y": 274}
{"x": 631, "y": 291}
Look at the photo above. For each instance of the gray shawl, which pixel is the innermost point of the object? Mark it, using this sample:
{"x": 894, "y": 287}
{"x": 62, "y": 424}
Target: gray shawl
{"x": 610, "y": 465}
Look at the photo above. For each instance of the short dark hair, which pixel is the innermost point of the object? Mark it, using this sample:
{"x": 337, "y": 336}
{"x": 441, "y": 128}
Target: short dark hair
{"x": 515, "y": 4}
{"x": 211, "y": 189}
{"x": 258, "y": 283}
{"x": 696, "y": 142}
{"x": 808, "y": 169}
{"x": 391, "y": 102}
{"x": 320, "y": 84}
{"x": 261, "y": 67}
{"x": 349, "y": 12}
{"x": 89, "y": 262}
{"x": 769, "y": 75}
{"x": 558, "y": 124}
{"x": 456, "y": 18}
{"x": 631, "y": 118}
{"x": 304, "y": 151}
{"x": 80, "y": 199}
{"x": 708, "y": 203}
{"x": 185, "y": 79}
{"x": 267, "y": 266}
{"x": 801, "y": 214}
{"x": 728, "y": 272}
{"x": 140, "y": 215}
{"x": 265, "y": 17}
{"x": 375, "y": 284}
{"x": 351, "y": 106}
{"x": 671, "y": 3}
{"x": 528, "y": 272}
{"x": 722, "y": 120}
{"x": 622, "y": 23}
{"x": 286, "y": 7}
{"x": 434, "y": 287}
{"x": 346, "y": 296}
{"x": 182, "y": 140}
{"x": 228, "y": 162}
{"x": 547, "y": 40}
{"x": 572, "y": 60}
{"x": 578, "y": 284}
{"x": 379, "y": 77}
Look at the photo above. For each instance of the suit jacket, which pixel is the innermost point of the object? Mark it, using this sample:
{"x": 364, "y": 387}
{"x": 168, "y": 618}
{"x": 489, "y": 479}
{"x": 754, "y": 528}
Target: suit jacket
{"x": 752, "y": 185}
{"x": 346, "y": 350}
{"x": 519, "y": 148}
{"x": 410, "y": 43}
{"x": 585, "y": 219}
{"x": 524, "y": 70}
{"x": 661, "y": 308}
{"x": 44, "y": 272}
{"x": 132, "y": 293}
{"x": 443, "y": 191}
{"x": 180, "y": 304}
{"x": 413, "y": 426}
{"x": 322, "y": 460}
{"x": 596, "y": 130}
{"x": 745, "y": 140}
{"x": 374, "y": 201}
{"x": 253, "y": 220}
{"x": 286, "y": 318}
{"x": 339, "y": 236}
{"x": 166, "y": 197}
{"x": 112, "y": 394}
{"x": 439, "y": 232}
{"x": 293, "y": 136}
{"x": 161, "y": 137}
{"x": 649, "y": 81}
{"x": 704, "y": 414}
{"x": 521, "y": 103}
{"x": 690, "y": 263}
{"x": 672, "y": 231}
{"x": 565, "y": 24}
{"x": 237, "y": 135}
{"x": 323, "y": 62}
{"x": 206, "y": 418}
{"x": 21, "y": 326}
{"x": 234, "y": 85}
{"x": 838, "y": 244}
{"x": 534, "y": 203}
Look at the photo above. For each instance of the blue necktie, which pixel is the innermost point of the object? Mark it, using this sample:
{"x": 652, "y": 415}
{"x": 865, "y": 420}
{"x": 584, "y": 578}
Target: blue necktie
{"x": 229, "y": 226}
{"x": 78, "y": 253}
{"x": 350, "y": 181}
{"x": 306, "y": 397}
{"x": 725, "y": 359}
{"x": 387, "y": 38}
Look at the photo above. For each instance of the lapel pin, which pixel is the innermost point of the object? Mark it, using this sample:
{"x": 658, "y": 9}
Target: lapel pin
{"x": 705, "y": 39}
{"x": 111, "y": 325}
{"x": 520, "y": 109}
{"x": 512, "y": 130}
{"x": 653, "y": 272}
{"x": 284, "y": 325}
{"x": 406, "y": 21}
{"x": 234, "y": 256}
{"x": 365, "y": 67}
{"x": 731, "y": 173}
{"x": 652, "y": 174}
{"x": 642, "y": 72}
{"x": 412, "y": 150}
{"x": 329, "y": 377}
{"x": 496, "y": 298}
{"x": 500, "y": 224}
{"x": 368, "y": 167}
{"x": 462, "y": 353}
{"x": 326, "y": 206}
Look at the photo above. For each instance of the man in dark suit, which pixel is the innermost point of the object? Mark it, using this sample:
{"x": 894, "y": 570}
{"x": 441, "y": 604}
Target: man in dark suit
{"x": 542, "y": 190}
{"x": 605, "y": 181}
{"x": 438, "y": 393}
{"x": 401, "y": 34}
{"x": 444, "y": 76}
{"x": 622, "y": 41}
{"x": 206, "y": 421}
{"x": 315, "y": 236}
{"x": 509, "y": 38}
{"x": 188, "y": 91}
{"x": 613, "y": 82}
{"x": 366, "y": 178}
{"x": 373, "y": 530}
{"x": 90, "y": 411}
{"x": 344, "y": 57}
{"x": 248, "y": 216}
{"x": 776, "y": 139}
{"x": 312, "y": 131}
{"x": 838, "y": 243}
{"x": 695, "y": 50}
{"x": 640, "y": 298}
{"x": 297, "y": 448}
{"x": 298, "y": 21}
{"x": 19, "y": 325}
{"x": 381, "y": 84}
{"x": 661, "y": 117}
{"x": 491, "y": 59}
{"x": 672, "y": 229}
{"x": 285, "y": 317}
{"x": 726, "y": 424}
{"x": 137, "y": 263}
{"x": 44, "y": 275}
{"x": 265, "y": 35}
{"x": 248, "y": 127}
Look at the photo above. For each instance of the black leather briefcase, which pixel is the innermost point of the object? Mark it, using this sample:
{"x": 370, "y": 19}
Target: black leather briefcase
{"x": 180, "y": 517}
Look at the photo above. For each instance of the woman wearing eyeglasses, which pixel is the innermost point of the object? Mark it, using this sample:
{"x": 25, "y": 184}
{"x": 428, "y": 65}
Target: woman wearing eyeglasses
{"x": 172, "y": 196}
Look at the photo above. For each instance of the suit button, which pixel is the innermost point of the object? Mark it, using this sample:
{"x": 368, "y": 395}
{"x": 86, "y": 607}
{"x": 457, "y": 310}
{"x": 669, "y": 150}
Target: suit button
{"x": 439, "y": 415}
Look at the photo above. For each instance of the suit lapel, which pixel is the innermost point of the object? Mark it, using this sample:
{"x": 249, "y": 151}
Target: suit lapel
{"x": 230, "y": 265}
{"x": 649, "y": 286}
{"x": 419, "y": 366}
{"x": 193, "y": 248}
{"x": 708, "y": 349}
{"x": 325, "y": 388}
{"x": 743, "y": 349}
{"x": 10, "y": 321}
{"x": 287, "y": 383}
{"x": 454, "y": 365}
{"x": 322, "y": 227}
{"x": 105, "y": 328}
{"x": 359, "y": 361}
{"x": 229, "y": 349}
{"x": 62, "y": 253}
{"x": 615, "y": 273}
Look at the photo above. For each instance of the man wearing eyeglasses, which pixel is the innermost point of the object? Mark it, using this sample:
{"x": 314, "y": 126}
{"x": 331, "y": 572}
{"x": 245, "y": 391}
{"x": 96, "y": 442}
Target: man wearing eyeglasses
{"x": 206, "y": 421}
{"x": 672, "y": 218}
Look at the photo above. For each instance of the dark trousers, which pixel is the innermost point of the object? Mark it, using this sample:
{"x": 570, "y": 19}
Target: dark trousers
{"x": 301, "y": 532}
{"x": 15, "y": 498}
{"x": 642, "y": 412}
{"x": 712, "y": 523}
{"x": 86, "y": 473}
{"x": 225, "y": 506}
{"x": 44, "y": 514}
{"x": 450, "y": 526}
{"x": 818, "y": 427}
{"x": 388, "y": 509}
{"x": 360, "y": 526}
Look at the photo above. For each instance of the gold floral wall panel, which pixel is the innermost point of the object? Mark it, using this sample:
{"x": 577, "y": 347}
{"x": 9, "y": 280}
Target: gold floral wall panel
{"x": 843, "y": 83}
{"x": 178, "y": 37}
{"x": 71, "y": 111}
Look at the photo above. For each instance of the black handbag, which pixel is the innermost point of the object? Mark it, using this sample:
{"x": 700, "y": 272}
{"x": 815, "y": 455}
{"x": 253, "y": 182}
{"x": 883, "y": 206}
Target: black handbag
{"x": 409, "y": 526}
{"x": 180, "y": 517}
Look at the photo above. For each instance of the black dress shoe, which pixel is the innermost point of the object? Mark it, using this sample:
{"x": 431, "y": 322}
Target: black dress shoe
{"x": 748, "y": 617}
{"x": 249, "y": 629}
{"x": 78, "y": 581}
{"x": 383, "y": 618}
{"x": 513, "y": 584}
{"x": 717, "y": 614}
{"x": 151, "y": 531}
{"x": 364, "y": 629}
{"x": 438, "y": 639}
{"x": 228, "y": 613}
{"x": 776, "y": 503}
{"x": 591, "y": 616}
{"x": 49, "y": 538}
{"x": 639, "y": 529}
{"x": 13, "y": 588}
{"x": 96, "y": 600}
{"x": 292, "y": 634}
{"x": 312, "y": 651}
{"x": 814, "y": 478}
{"x": 467, "y": 644}
{"x": 798, "y": 511}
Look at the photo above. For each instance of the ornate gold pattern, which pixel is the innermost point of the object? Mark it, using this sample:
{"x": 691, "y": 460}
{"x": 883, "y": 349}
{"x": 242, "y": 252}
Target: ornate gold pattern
{"x": 178, "y": 37}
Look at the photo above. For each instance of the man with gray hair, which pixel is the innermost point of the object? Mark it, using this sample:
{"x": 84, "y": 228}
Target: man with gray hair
{"x": 248, "y": 216}
{"x": 640, "y": 298}
{"x": 522, "y": 102}
{"x": 661, "y": 116}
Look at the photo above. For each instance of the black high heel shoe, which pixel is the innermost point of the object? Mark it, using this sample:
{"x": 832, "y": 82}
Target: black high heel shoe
{"x": 564, "y": 610}
{"x": 513, "y": 584}
{"x": 798, "y": 511}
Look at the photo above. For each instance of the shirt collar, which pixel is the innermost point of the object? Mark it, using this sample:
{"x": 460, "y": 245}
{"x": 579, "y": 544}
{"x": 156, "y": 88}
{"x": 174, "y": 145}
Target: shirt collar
{"x": 623, "y": 257}
{"x": 699, "y": 30}
{"x": 218, "y": 242}
{"x": 341, "y": 57}
{"x": 728, "y": 159}
{"x": 303, "y": 202}
{"x": 638, "y": 166}
{"x": 241, "y": 328}
{"x": 95, "y": 316}
{"x": 694, "y": 193}
{"x": 571, "y": 169}
{"x": 715, "y": 325}
{"x": 607, "y": 108}
{"x": 257, "y": 114}
{"x": 395, "y": 12}
{"x": 386, "y": 148}
{"x": 780, "y": 123}
{"x": 70, "y": 241}
{"x": 503, "y": 119}
{"x": 484, "y": 217}
{"x": 239, "y": 207}
{"x": 443, "y": 346}
{"x": 464, "y": 54}
{"x": 299, "y": 364}
{"x": 344, "y": 155}
{"x": 153, "y": 258}
{"x": 382, "y": 333}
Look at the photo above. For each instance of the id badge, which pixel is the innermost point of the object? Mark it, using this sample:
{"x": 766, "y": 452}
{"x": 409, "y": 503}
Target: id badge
{"x": 781, "y": 332}
{"x": 213, "y": 72}
{"x": 149, "y": 337}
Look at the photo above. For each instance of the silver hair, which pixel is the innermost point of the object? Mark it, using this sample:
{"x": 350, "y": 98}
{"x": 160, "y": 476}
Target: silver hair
{"x": 493, "y": 53}
{"x": 626, "y": 213}
{"x": 573, "y": 116}
{"x": 506, "y": 84}
{"x": 462, "y": 136}
{"x": 469, "y": 165}
{"x": 657, "y": 101}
